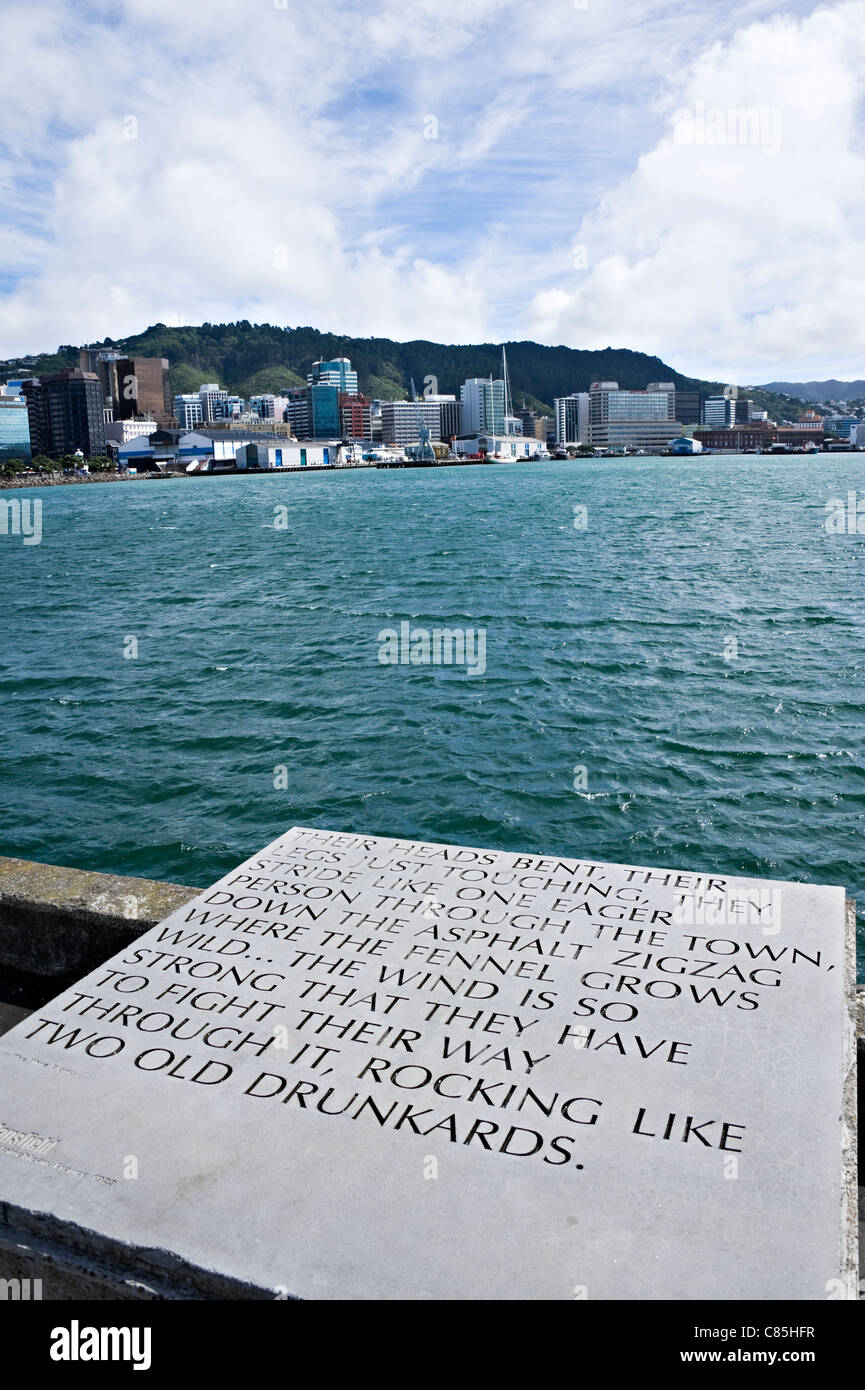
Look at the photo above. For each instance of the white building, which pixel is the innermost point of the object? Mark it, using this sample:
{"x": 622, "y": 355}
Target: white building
{"x": 572, "y": 418}
{"x": 483, "y": 406}
{"x": 719, "y": 411}
{"x": 502, "y": 446}
{"x": 121, "y": 431}
{"x": 268, "y": 407}
{"x": 685, "y": 445}
{"x": 277, "y": 454}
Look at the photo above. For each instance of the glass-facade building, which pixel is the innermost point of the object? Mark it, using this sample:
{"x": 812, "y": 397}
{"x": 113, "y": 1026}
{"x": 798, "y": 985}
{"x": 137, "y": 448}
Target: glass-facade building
{"x": 338, "y": 372}
{"x": 66, "y": 414}
{"x": 636, "y": 419}
{"x": 14, "y": 429}
{"x": 313, "y": 412}
{"x": 324, "y": 403}
{"x": 483, "y": 406}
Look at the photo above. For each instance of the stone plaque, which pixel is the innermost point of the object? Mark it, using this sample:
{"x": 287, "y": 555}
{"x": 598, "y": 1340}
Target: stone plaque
{"x": 360, "y": 1067}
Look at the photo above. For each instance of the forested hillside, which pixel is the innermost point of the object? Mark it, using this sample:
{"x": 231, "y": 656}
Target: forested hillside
{"x": 251, "y": 358}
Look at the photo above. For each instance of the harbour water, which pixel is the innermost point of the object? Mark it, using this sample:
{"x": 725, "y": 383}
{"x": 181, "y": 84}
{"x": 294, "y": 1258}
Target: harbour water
{"x": 189, "y": 667}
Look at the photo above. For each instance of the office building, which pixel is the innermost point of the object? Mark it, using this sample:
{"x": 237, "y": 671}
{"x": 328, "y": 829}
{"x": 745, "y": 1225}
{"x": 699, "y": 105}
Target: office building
{"x": 483, "y": 406}
{"x": 355, "y": 416}
{"x": 631, "y": 419}
{"x": 451, "y": 417}
{"x": 65, "y": 412}
{"x": 189, "y": 411}
{"x": 14, "y": 429}
{"x": 213, "y": 401}
{"x": 337, "y": 372}
{"x": 688, "y": 406}
{"x": 313, "y": 411}
{"x": 840, "y": 425}
{"x": 400, "y": 421}
{"x": 132, "y": 386}
{"x": 719, "y": 412}
{"x": 143, "y": 390}
{"x": 527, "y": 420}
{"x": 102, "y": 362}
{"x": 572, "y": 418}
{"x": 450, "y": 413}
{"x": 268, "y": 407}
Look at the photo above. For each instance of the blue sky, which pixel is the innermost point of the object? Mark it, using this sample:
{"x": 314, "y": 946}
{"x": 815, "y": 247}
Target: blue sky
{"x": 462, "y": 171}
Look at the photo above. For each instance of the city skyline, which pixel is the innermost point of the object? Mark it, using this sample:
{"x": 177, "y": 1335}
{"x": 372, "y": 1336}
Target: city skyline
{"x": 606, "y": 175}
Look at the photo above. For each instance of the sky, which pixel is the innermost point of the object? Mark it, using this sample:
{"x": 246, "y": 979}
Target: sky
{"x": 684, "y": 179}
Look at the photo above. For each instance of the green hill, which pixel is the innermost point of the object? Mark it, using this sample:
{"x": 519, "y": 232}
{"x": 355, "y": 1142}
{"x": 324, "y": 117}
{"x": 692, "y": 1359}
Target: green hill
{"x": 251, "y": 358}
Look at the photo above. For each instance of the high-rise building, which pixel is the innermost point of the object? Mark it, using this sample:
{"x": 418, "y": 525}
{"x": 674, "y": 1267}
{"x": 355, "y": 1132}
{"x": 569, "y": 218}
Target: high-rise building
{"x": 527, "y": 419}
{"x": 635, "y": 419}
{"x": 451, "y": 417}
{"x": 355, "y": 416}
{"x": 268, "y": 407}
{"x": 14, "y": 428}
{"x": 450, "y": 413}
{"x": 719, "y": 412}
{"x": 143, "y": 390}
{"x": 572, "y": 418}
{"x": 212, "y": 397}
{"x": 840, "y": 425}
{"x": 132, "y": 386}
{"x": 102, "y": 362}
{"x": 66, "y": 413}
{"x": 337, "y": 372}
{"x": 189, "y": 411}
{"x": 688, "y": 405}
{"x": 483, "y": 406}
{"x": 400, "y": 421}
{"x": 313, "y": 411}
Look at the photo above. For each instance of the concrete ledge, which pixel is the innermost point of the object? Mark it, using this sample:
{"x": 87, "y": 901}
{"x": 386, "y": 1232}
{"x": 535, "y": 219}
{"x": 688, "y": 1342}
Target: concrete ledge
{"x": 58, "y": 922}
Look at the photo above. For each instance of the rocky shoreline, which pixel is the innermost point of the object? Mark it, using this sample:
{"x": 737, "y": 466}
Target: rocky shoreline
{"x": 58, "y": 479}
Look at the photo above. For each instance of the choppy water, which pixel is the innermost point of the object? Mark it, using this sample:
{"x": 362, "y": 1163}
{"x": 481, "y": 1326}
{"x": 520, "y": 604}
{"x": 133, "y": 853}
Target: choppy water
{"x": 258, "y": 649}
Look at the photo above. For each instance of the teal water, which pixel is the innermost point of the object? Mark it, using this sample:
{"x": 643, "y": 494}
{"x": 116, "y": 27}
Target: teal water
{"x": 257, "y": 649}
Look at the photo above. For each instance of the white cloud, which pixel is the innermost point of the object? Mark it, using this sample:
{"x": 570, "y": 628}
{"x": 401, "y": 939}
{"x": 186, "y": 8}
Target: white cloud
{"x": 739, "y": 260}
{"x": 279, "y": 171}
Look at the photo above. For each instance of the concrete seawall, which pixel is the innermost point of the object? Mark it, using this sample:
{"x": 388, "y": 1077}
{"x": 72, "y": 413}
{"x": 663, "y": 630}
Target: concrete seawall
{"x": 56, "y": 924}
